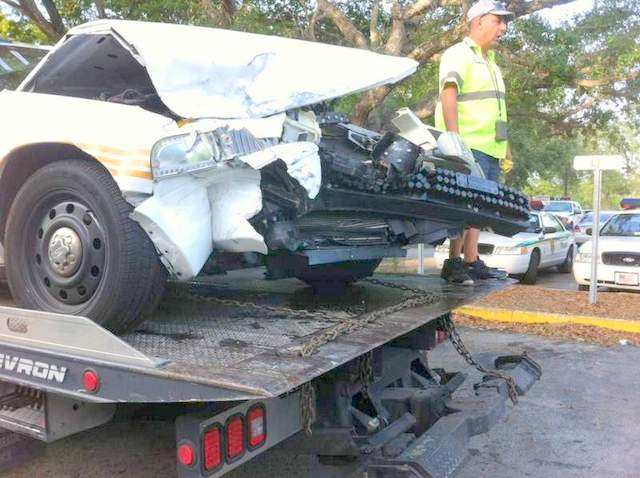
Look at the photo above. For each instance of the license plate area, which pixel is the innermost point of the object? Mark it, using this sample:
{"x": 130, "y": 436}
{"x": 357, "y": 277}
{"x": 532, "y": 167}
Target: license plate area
{"x": 626, "y": 278}
{"x": 477, "y": 184}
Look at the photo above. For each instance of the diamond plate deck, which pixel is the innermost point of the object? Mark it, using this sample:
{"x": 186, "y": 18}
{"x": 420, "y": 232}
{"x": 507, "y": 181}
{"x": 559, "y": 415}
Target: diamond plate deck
{"x": 218, "y": 352}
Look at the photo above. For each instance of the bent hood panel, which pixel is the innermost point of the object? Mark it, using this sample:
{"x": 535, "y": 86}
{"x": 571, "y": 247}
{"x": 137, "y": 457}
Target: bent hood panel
{"x": 205, "y": 72}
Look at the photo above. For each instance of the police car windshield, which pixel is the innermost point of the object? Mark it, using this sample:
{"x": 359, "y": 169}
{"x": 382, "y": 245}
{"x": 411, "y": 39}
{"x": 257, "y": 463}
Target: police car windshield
{"x": 16, "y": 62}
{"x": 622, "y": 225}
{"x": 558, "y": 206}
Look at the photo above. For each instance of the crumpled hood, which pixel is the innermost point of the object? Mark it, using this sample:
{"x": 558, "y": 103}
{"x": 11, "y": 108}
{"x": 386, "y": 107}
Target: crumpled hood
{"x": 212, "y": 73}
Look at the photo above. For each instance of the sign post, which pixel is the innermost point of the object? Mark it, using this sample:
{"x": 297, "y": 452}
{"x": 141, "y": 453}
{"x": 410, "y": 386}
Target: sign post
{"x": 597, "y": 164}
{"x": 421, "y": 259}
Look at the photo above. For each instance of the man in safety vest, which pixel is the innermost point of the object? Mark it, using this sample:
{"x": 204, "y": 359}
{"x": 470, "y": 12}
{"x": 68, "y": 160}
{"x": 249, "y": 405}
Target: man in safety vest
{"x": 472, "y": 104}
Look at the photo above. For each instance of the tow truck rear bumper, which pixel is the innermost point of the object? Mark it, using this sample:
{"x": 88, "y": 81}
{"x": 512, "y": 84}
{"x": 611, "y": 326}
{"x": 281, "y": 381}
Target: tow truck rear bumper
{"x": 440, "y": 451}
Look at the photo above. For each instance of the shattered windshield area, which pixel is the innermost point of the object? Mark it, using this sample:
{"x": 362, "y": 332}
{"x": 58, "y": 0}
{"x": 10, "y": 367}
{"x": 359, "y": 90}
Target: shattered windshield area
{"x": 16, "y": 62}
{"x": 622, "y": 225}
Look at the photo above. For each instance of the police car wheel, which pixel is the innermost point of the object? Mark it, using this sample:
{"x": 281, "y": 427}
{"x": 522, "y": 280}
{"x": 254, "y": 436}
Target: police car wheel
{"x": 567, "y": 265}
{"x": 531, "y": 276}
{"x": 71, "y": 248}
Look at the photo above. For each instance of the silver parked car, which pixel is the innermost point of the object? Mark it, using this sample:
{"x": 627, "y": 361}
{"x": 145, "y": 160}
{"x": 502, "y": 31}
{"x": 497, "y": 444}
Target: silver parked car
{"x": 580, "y": 229}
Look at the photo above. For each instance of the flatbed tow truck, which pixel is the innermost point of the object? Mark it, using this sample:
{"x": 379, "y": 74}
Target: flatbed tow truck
{"x": 244, "y": 364}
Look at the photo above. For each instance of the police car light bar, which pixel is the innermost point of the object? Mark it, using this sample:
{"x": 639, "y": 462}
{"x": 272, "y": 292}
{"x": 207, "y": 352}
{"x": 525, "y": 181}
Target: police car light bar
{"x": 630, "y": 203}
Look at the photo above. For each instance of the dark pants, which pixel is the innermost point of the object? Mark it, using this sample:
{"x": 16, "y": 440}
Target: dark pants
{"x": 490, "y": 165}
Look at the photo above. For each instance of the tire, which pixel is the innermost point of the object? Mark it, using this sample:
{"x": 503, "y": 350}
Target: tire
{"x": 531, "y": 276}
{"x": 71, "y": 248}
{"x": 582, "y": 287}
{"x": 336, "y": 276}
{"x": 567, "y": 265}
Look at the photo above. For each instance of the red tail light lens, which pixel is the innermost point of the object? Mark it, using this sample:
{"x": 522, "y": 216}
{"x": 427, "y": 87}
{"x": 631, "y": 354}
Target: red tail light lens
{"x": 212, "y": 448}
{"x": 90, "y": 381}
{"x": 235, "y": 438}
{"x": 186, "y": 455}
{"x": 256, "y": 426}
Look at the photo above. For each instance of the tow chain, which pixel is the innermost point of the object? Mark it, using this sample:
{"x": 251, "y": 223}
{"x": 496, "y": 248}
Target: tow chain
{"x": 454, "y": 337}
{"x": 351, "y": 323}
{"x": 265, "y": 310}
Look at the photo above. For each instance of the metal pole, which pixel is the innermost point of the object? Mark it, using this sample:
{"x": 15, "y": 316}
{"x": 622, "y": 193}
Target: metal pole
{"x": 595, "y": 233}
{"x": 421, "y": 259}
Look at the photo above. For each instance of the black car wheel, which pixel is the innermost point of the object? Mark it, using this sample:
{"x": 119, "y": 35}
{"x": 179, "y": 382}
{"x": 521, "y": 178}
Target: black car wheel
{"x": 567, "y": 265}
{"x": 531, "y": 276}
{"x": 336, "y": 276}
{"x": 71, "y": 248}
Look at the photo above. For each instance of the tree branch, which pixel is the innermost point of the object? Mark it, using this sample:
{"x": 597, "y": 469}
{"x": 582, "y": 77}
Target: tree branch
{"x": 426, "y": 51}
{"x": 54, "y": 16}
{"x": 29, "y": 9}
{"x": 374, "y": 34}
{"x": 398, "y": 31}
{"x": 340, "y": 20}
{"x": 520, "y": 7}
{"x": 102, "y": 13}
{"x": 419, "y": 8}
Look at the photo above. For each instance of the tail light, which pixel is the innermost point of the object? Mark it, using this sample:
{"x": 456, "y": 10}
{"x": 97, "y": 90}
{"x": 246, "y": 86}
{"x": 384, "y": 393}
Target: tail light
{"x": 212, "y": 448}
{"x": 90, "y": 381}
{"x": 256, "y": 427}
{"x": 186, "y": 454}
{"x": 235, "y": 437}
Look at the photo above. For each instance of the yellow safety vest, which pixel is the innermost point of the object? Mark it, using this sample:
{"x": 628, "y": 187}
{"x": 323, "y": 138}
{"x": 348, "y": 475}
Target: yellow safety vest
{"x": 481, "y": 96}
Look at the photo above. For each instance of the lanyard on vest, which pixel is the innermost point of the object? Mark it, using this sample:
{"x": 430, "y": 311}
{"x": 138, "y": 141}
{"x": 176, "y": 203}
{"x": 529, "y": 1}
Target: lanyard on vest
{"x": 494, "y": 80}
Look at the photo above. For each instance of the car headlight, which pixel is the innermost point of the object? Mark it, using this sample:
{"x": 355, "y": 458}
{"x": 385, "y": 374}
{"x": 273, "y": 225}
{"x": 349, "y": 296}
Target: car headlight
{"x": 442, "y": 248}
{"x": 198, "y": 151}
{"x": 510, "y": 251}
{"x": 585, "y": 257}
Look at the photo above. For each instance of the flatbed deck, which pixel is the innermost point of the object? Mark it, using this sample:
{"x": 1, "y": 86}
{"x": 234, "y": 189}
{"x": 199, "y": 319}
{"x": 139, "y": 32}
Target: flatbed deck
{"x": 195, "y": 350}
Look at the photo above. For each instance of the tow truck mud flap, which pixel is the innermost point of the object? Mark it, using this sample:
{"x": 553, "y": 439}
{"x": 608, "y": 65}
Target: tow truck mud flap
{"x": 440, "y": 451}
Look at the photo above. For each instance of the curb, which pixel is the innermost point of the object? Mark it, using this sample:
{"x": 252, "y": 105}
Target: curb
{"x": 525, "y": 316}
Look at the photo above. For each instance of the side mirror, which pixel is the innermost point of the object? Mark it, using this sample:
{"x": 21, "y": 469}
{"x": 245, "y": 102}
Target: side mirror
{"x": 549, "y": 230}
{"x": 589, "y": 231}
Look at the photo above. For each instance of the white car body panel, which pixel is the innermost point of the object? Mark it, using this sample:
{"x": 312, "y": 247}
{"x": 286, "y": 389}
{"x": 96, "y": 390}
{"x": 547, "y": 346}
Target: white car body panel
{"x": 212, "y": 73}
{"x": 118, "y": 136}
{"x": 257, "y": 78}
{"x": 606, "y": 272}
{"x": 553, "y": 249}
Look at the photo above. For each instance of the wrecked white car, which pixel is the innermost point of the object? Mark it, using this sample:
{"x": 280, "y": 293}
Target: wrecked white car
{"x": 139, "y": 151}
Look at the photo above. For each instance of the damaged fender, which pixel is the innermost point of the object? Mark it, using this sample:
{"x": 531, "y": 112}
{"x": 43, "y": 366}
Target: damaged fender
{"x": 188, "y": 216}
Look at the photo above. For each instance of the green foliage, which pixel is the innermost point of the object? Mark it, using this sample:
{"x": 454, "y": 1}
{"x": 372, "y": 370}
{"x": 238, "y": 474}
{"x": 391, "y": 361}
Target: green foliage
{"x": 20, "y": 30}
{"x": 572, "y": 88}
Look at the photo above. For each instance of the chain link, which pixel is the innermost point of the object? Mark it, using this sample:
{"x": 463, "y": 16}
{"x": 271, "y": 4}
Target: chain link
{"x": 264, "y": 309}
{"x": 455, "y": 339}
{"x": 348, "y": 322}
{"x": 307, "y": 406}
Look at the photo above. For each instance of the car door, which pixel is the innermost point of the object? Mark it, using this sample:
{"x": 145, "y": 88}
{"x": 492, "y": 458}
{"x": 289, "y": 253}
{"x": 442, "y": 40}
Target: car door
{"x": 561, "y": 241}
{"x": 554, "y": 234}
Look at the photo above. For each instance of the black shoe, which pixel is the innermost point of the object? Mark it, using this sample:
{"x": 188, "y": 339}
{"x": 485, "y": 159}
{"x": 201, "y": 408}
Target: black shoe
{"x": 478, "y": 270}
{"x": 454, "y": 273}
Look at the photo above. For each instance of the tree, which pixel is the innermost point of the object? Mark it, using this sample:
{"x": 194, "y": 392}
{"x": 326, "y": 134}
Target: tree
{"x": 566, "y": 83}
